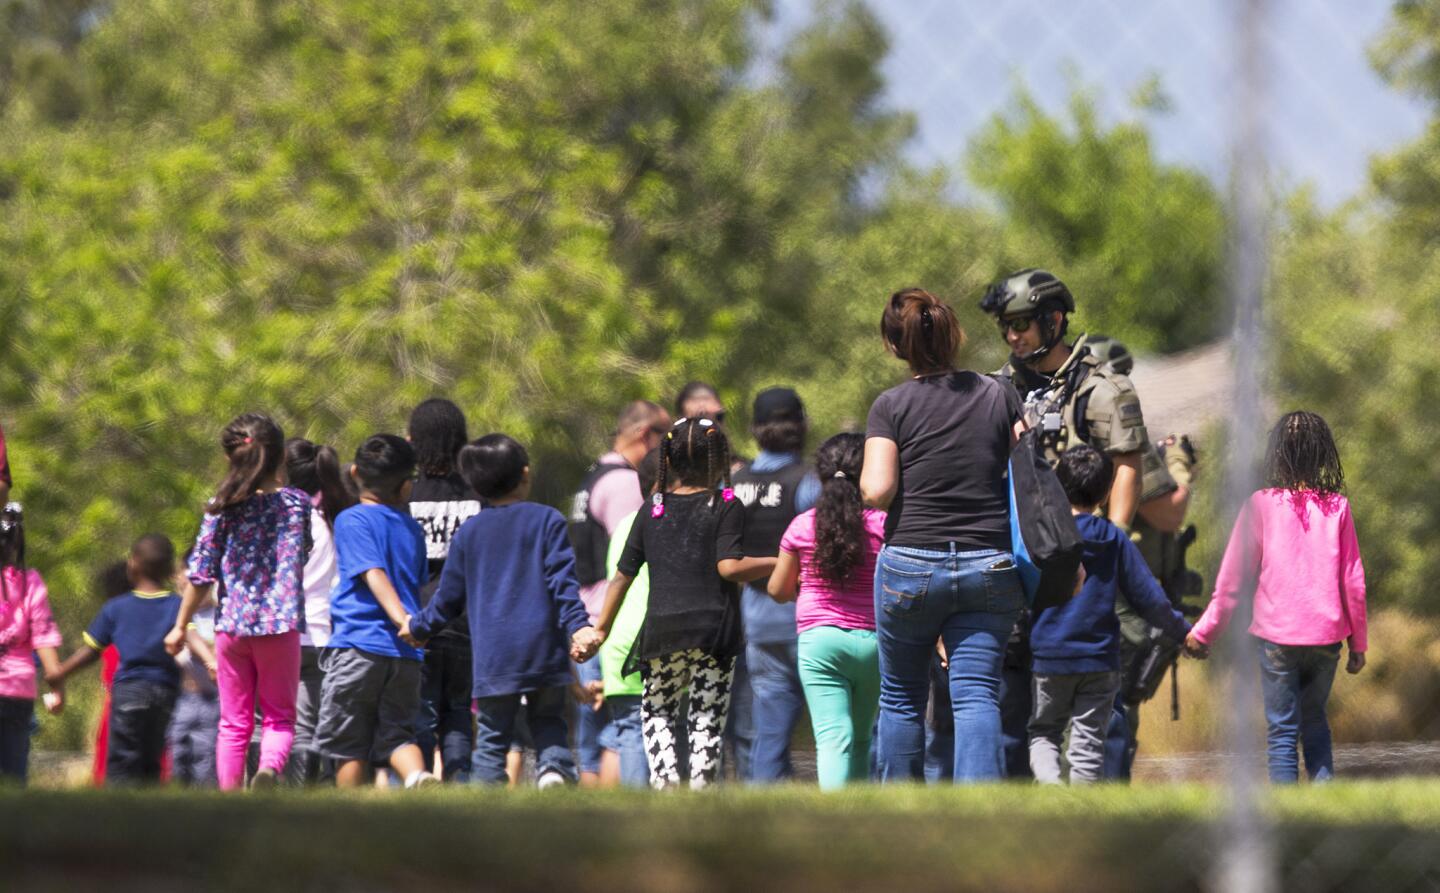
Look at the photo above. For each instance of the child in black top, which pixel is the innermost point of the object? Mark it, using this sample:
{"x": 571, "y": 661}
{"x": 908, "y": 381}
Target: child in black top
{"x": 690, "y": 540}
{"x": 441, "y": 501}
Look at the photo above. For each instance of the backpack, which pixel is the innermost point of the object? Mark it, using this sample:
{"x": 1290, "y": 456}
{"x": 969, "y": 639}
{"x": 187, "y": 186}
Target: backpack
{"x": 1045, "y": 540}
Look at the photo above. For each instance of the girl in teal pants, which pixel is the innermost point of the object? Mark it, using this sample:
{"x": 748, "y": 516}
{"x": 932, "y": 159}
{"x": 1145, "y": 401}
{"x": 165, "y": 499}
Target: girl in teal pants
{"x": 827, "y": 566}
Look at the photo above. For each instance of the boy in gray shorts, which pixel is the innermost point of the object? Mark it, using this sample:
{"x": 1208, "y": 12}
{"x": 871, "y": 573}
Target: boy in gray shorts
{"x": 371, "y": 693}
{"x": 1076, "y": 644}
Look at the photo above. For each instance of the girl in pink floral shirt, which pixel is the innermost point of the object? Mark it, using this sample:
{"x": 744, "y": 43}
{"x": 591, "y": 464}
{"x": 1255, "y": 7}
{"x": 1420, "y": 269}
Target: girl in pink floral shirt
{"x": 253, "y": 542}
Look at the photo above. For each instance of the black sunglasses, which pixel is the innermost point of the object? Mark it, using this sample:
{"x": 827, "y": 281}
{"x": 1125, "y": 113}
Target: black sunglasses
{"x": 1017, "y": 323}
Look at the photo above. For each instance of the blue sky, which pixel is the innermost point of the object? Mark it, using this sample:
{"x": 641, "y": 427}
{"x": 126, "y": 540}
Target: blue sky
{"x": 956, "y": 62}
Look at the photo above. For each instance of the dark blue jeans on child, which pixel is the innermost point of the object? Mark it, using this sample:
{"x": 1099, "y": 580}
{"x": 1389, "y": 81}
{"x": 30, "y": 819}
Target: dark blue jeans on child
{"x": 445, "y": 717}
{"x": 139, "y": 717}
{"x": 495, "y": 727}
{"x": 1295, "y": 681}
{"x": 16, "y": 715}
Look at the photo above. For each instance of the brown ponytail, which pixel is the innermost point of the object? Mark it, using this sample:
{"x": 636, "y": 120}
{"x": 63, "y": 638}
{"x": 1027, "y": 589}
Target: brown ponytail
{"x": 922, "y": 329}
{"x": 255, "y": 446}
{"x": 316, "y": 470}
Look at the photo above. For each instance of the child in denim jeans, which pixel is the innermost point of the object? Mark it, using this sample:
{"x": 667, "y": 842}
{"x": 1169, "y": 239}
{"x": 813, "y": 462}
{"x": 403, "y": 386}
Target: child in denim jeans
{"x": 1294, "y": 546}
{"x": 148, "y": 681}
{"x": 511, "y": 572}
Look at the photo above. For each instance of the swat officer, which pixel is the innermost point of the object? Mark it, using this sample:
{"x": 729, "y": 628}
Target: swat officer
{"x": 1070, "y": 396}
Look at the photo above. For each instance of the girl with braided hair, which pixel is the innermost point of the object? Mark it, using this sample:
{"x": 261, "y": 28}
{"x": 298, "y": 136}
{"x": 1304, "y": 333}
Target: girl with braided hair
{"x": 827, "y": 565}
{"x": 690, "y": 539}
{"x": 1294, "y": 546}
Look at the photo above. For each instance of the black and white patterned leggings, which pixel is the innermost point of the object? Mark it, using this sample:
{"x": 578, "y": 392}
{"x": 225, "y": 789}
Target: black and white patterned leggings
{"x": 666, "y": 679}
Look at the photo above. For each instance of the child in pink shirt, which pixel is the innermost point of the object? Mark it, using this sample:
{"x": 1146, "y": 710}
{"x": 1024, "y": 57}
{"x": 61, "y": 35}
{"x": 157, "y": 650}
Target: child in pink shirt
{"x": 1294, "y": 546}
{"x": 26, "y": 629}
{"x": 827, "y": 565}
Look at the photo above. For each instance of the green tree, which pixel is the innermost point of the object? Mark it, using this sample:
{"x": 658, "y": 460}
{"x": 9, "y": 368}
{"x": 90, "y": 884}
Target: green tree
{"x": 1139, "y": 242}
{"x": 332, "y": 210}
{"x": 1351, "y": 317}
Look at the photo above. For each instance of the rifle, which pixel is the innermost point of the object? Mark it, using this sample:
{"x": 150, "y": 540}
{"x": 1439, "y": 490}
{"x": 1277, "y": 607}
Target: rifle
{"x": 1158, "y": 654}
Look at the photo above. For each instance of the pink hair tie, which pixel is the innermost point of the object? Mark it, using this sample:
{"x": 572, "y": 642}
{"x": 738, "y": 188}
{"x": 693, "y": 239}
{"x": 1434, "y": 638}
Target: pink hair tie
{"x": 657, "y": 506}
{"x": 249, "y": 440}
{"x": 727, "y": 494}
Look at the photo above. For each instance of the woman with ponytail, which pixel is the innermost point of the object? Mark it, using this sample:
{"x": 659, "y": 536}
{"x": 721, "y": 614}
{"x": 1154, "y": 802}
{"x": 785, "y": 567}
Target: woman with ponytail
{"x": 937, "y": 449}
{"x": 254, "y": 540}
{"x": 690, "y": 539}
{"x": 827, "y": 566}
{"x": 314, "y": 469}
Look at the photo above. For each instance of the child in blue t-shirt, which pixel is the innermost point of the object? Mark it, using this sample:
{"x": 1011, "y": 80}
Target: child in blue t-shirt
{"x": 511, "y": 570}
{"x": 370, "y": 696}
{"x": 148, "y": 680}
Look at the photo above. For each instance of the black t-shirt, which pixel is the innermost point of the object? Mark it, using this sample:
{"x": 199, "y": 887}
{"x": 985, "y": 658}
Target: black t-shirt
{"x": 441, "y": 505}
{"x": 691, "y": 605}
{"x": 954, "y": 433}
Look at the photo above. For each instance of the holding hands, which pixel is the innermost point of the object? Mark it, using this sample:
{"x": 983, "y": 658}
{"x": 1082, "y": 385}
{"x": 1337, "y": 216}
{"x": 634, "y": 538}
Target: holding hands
{"x": 408, "y": 637}
{"x": 175, "y": 640}
{"x": 1196, "y": 648}
{"x": 585, "y": 643}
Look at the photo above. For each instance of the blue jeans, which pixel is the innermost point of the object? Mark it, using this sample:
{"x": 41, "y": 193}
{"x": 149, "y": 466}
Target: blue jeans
{"x": 16, "y": 715}
{"x": 970, "y": 600}
{"x": 588, "y": 723}
{"x": 495, "y": 728}
{"x": 778, "y": 702}
{"x": 140, "y": 712}
{"x": 1120, "y": 739}
{"x": 739, "y": 723}
{"x": 193, "y": 727}
{"x": 1295, "y": 681}
{"x": 625, "y": 735}
{"x": 940, "y": 730}
{"x": 445, "y": 685}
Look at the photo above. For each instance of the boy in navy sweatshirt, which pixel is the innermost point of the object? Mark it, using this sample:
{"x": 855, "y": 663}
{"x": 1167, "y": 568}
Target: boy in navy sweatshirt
{"x": 1076, "y": 644}
{"x": 511, "y": 570}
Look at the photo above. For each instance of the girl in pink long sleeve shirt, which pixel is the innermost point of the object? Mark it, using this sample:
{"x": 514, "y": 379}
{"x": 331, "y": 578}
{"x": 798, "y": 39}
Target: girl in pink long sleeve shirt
{"x": 1294, "y": 546}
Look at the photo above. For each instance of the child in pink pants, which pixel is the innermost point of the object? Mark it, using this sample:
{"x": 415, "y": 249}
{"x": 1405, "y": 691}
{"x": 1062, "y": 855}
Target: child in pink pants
{"x": 253, "y": 541}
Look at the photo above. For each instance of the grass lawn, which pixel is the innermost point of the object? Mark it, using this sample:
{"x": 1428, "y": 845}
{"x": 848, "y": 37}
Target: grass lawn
{"x": 1352, "y": 836}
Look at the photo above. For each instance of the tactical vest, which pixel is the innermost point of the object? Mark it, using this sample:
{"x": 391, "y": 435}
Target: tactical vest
{"x": 769, "y": 500}
{"x": 1066, "y": 397}
{"x": 588, "y": 537}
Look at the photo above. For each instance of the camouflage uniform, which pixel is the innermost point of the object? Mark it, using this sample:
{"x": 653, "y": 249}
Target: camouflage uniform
{"x": 1111, "y": 418}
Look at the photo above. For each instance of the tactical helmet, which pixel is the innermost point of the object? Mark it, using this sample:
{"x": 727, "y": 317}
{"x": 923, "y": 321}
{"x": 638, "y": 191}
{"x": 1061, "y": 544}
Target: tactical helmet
{"x": 1027, "y": 292}
{"x": 1112, "y": 352}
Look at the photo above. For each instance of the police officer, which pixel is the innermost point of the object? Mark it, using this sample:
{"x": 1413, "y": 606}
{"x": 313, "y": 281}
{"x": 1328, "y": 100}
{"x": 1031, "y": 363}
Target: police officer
{"x": 1071, "y": 396}
{"x": 774, "y": 488}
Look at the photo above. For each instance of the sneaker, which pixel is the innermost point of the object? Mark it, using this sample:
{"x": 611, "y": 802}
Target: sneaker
{"x": 421, "y": 779}
{"x": 550, "y": 779}
{"x": 264, "y": 780}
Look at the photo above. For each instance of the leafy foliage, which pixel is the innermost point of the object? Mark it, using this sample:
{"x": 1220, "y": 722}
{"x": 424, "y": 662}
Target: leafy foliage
{"x": 1139, "y": 243}
{"x": 1352, "y": 311}
{"x": 332, "y": 210}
